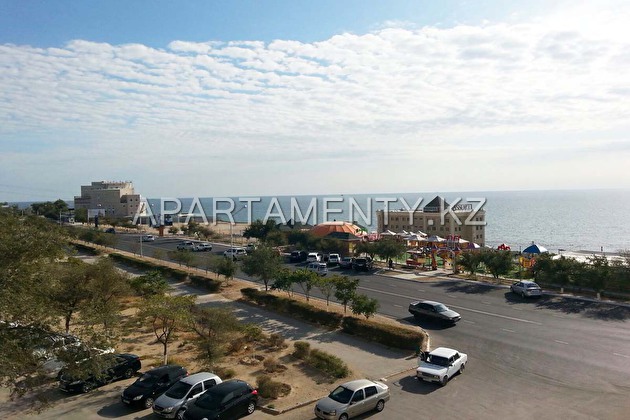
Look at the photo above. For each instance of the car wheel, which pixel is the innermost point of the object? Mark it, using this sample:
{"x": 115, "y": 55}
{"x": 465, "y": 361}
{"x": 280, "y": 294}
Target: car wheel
{"x": 344, "y": 416}
{"x": 180, "y": 415}
{"x": 251, "y": 407}
{"x": 128, "y": 373}
{"x": 148, "y": 403}
{"x": 444, "y": 380}
{"x": 462, "y": 367}
{"x": 380, "y": 405}
{"x": 85, "y": 388}
{"x": 523, "y": 295}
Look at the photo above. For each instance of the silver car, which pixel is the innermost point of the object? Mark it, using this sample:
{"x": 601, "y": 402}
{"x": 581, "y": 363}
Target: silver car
{"x": 352, "y": 399}
{"x": 172, "y": 403}
{"x": 526, "y": 288}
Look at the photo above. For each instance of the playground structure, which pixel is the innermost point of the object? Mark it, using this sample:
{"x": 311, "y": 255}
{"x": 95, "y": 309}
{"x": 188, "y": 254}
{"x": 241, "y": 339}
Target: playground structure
{"x": 428, "y": 250}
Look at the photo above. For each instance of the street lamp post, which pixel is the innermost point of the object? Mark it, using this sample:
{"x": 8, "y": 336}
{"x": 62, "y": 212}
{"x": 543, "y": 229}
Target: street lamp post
{"x": 232, "y": 226}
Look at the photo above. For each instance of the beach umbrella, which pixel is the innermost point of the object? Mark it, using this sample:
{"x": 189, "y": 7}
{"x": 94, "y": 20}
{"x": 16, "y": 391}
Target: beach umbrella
{"x": 420, "y": 233}
{"x": 472, "y": 245}
{"x": 435, "y": 238}
{"x": 535, "y": 249}
{"x": 388, "y": 233}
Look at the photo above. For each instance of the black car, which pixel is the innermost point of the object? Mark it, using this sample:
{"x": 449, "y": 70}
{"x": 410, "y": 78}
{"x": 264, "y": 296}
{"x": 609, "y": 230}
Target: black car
{"x": 363, "y": 263}
{"x": 433, "y": 310}
{"x": 152, "y": 384}
{"x": 110, "y": 230}
{"x": 227, "y": 400}
{"x": 298, "y": 256}
{"x": 111, "y": 367}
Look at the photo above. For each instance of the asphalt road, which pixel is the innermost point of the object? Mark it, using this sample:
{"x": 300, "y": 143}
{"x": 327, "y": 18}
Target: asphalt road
{"x": 544, "y": 358}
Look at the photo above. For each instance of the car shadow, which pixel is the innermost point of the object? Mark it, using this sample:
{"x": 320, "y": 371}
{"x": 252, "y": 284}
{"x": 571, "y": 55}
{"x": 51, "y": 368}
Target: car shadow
{"x": 595, "y": 310}
{"x": 464, "y": 287}
{"x": 513, "y": 299}
{"x": 414, "y": 386}
{"x": 118, "y": 409}
{"x": 427, "y": 324}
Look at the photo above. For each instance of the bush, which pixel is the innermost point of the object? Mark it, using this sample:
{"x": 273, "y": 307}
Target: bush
{"x": 328, "y": 363}
{"x": 224, "y": 372}
{"x": 276, "y": 341}
{"x": 209, "y": 285}
{"x": 388, "y": 335}
{"x": 268, "y": 388}
{"x": 295, "y": 308}
{"x": 302, "y": 349}
{"x": 271, "y": 364}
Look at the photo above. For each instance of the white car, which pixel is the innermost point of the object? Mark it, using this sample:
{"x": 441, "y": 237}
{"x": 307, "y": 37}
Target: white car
{"x": 148, "y": 238}
{"x": 186, "y": 246}
{"x": 526, "y": 288}
{"x": 235, "y": 253}
{"x": 319, "y": 268}
{"x": 334, "y": 259}
{"x": 202, "y": 247}
{"x": 441, "y": 364}
{"x": 312, "y": 257}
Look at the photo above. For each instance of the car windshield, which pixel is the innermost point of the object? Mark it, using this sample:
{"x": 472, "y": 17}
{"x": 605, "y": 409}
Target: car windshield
{"x": 532, "y": 286}
{"x": 438, "y": 360}
{"x": 341, "y": 395}
{"x": 441, "y": 308}
{"x": 147, "y": 379}
{"x": 210, "y": 401}
{"x": 178, "y": 391}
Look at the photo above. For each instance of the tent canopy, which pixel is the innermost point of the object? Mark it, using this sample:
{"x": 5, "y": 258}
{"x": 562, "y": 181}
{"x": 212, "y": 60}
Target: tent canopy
{"x": 535, "y": 249}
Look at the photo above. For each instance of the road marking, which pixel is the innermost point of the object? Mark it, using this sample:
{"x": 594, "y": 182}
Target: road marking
{"x": 508, "y": 330}
{"x": 561, "y": 342}
{"x": 468, "y": 322}
{"x": 486, "y": 302}
{"x": 511, "y": 318}
{"x": 621, "y": 355}
{"x": 517, "y": 309}
{"x": 421, "y": 290}
{"x": 398, "y": 306}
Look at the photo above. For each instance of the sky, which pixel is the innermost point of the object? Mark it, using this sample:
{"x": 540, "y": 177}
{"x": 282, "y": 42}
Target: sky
{"x": 256, "y": 98}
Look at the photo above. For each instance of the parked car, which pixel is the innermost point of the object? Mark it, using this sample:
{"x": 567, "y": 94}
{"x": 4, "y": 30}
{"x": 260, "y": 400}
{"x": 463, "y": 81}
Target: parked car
{"x": 313, "y": 257}
{"x": 186, "y": 246}
{"x": 235, "y": 253}
{"x": 148, "y": 238}
{"x": 441, "y": 364}
{"x": 203, "y": 247}
{"x": 319, "y": 268}
{"x": 352, "y": 399}
{"x": 346, "y": 262}
{"x": 333, "y": 259}
{"x": 251, "y": 247}
{"x": 110, "y": 230}
{"x": 49, "y": 345}
{"x": 172, "y": 404}
{"x": 52, "y": 365}
{"x": 433, "y": 310}
{"x": 363, "y": 263}
{"x": 526, "y": 288}
{"x": 152, "y": 384}
{"x": 115, "y": 366}
{"x": 298, "y": 256}
{"x": 228, "y": 400}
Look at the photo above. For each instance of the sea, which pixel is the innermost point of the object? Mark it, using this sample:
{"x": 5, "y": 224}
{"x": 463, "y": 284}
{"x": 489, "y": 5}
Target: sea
{"x": 571, "y": 220}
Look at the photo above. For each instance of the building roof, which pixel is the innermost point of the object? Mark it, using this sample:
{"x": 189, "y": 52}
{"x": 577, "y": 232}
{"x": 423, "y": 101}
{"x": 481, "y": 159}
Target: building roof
{"x": 326, "y": 228}
{"x": 435, "y": 205}
{"x": 343, "y": 236}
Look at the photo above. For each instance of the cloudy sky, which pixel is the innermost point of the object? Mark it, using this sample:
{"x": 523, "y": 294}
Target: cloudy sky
{"x": 235, "y": 98}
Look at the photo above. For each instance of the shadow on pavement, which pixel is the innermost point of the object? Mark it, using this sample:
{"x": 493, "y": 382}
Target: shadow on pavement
{"x": 513, "y": 299}
{"x": 414, "y": 386}
{"x": 427, "y": 324}
{"x": 595, "y": 310}
{"x": 464, "y": 287}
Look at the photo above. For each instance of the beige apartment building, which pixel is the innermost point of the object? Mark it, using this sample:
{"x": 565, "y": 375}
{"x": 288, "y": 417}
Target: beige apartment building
{"x": 433, "y": 219}
{"x": 111, "y": 199}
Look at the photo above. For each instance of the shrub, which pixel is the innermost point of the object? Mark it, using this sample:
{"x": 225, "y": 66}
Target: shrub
{"x": 268, "y": 388}
{"x": 271, "y": 364}
{"x": 388, "y": 335}
{"x": 209, "y": 285}
{"x": 224, "y": 372}
{"x": 276, "y": 341}
{"x": 328, "y": 363}
{"x": 302, "y": 349}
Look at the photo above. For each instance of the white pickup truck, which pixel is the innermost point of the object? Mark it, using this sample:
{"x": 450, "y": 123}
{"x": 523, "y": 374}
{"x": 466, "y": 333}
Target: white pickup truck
{"x": 441, "y": 364}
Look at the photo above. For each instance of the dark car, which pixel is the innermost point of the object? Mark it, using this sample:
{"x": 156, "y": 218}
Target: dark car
{"x": 433, "y": 310}
{"x": 346, "y": 262}
{"x": 112, "y": 367}
{"x": 363, "y": 263}
{"x": 298, "y": 256}
{"x": 152, "y": 384}
{"x": 228, "y": 400}
{"x": 110, "y": 230}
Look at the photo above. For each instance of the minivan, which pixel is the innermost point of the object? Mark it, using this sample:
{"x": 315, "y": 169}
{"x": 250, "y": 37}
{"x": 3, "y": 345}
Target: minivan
{"x": 319, "y": 268}
{"x": 171, "y": 404}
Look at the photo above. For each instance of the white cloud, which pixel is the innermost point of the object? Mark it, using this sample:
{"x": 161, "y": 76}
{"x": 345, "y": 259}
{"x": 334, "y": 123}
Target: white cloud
{"x": 377, "y": 102}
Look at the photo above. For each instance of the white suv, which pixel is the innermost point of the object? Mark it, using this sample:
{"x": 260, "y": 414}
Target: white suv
{"x": 312, "y": 257}
{"x": 235, "y": 253}
{"x": 319, "y": 268}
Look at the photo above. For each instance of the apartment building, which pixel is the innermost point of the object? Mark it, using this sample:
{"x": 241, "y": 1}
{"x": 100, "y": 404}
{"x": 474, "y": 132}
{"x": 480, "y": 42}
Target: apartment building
{"x": 109, "y": 198}
{"x": 434, "y": 219}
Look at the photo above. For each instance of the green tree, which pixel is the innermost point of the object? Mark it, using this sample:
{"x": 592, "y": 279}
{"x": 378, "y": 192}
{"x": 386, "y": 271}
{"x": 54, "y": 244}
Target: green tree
{"x": 215, "y": 327}
{"x": 152, "y": 283}
{"x": 173, "y": 230}
{"x": 226, "y": 267}
{"x": 345, "y": 290}
{"x": 364, "y": 305}
{"x": 80, "y": 215}
{"x": 264, "y": 263}
{"x": 326, "y": 285}
{"x": 389, "y": 248}
{"x": 276, "y": 238}
{"x": 599, "y": 271}
{"x": 259, "y": 229}
{"x": 284, "y": 281}
{"x": 301, "y": 238}
{"x": 497, "y": 262}
{"x": 69, "y": 289}
{"x": 49, "y": 209}
{"x": 470, "y": 261}
{"x": 306, "y": 279}
{"x": 369, "y": 248}
{"x": 168, "y": 314}
{"x": 182, "y": 256}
